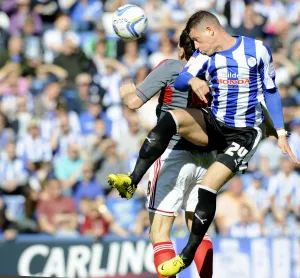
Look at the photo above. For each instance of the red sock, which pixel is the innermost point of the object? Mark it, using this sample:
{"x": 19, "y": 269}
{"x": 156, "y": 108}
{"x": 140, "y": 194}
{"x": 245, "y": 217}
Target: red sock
{"x": 204, "y": 258}
{"x": 163, "y": 251}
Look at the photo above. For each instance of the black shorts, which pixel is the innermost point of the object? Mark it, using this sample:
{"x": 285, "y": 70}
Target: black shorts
{"x": 234, "y": 146}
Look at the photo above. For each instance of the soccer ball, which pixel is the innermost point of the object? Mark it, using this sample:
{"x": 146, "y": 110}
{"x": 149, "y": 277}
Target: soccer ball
{"x": 130, "y": 22}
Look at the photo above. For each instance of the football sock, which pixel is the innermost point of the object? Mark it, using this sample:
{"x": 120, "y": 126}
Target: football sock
{"x": 204, "y": 258}
{"x": 203, "y": 216}
{"x": 154, "y": 146}
{"x": 163, "y": 251}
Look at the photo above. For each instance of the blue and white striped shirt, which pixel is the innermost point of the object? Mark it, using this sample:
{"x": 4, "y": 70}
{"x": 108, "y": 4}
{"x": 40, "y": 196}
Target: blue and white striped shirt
{"x": 12, "y": 170}
{"x": 238, "y": 79}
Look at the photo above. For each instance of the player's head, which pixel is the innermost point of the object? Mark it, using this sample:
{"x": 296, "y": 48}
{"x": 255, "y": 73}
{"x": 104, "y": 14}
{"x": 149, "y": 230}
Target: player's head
{"x": 203, "y": 28}
{"x": 185, "y": 47}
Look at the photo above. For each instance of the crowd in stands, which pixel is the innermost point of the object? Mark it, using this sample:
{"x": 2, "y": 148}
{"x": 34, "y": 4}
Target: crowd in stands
{"x": 63, "y": 127}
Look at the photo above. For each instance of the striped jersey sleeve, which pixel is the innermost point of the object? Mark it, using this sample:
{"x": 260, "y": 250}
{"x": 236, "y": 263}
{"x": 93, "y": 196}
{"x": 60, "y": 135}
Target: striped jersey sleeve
{"x": 195, "y": 67}
{"x": 266, "y": 68}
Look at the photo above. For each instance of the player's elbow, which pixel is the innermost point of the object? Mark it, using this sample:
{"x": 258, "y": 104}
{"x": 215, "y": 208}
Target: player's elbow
{"x": 182, "y": 81}
{"x": 134, "y": 103}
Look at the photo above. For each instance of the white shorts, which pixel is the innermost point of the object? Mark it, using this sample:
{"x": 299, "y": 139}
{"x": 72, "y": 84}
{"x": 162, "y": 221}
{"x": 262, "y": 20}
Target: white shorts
{"x": 174, "y": 181}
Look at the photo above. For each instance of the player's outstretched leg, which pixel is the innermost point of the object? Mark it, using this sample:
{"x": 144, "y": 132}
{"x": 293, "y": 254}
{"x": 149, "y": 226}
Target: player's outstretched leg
{"x": 217, "y": 175}
{"x": 188, "y": 123}
{"x": 153, "y": 147}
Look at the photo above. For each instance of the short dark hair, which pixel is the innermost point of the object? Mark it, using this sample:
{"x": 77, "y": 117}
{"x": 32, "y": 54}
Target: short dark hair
{"x": 187, "y": 44}
{"x": 201, "y": 17}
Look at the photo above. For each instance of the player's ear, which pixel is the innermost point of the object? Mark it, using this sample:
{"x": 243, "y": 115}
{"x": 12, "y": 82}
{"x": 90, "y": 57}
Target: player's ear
{"x": 210, "y": 31}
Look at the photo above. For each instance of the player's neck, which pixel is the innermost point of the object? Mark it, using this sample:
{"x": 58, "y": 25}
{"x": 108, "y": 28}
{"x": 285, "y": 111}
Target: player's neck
{"x": 225, "y": 42}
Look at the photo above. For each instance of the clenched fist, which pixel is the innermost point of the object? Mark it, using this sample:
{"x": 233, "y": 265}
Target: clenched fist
{"x": 127, "y": 89}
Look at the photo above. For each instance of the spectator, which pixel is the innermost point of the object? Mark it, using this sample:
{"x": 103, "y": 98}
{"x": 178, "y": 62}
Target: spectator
{"x": 88, "y": 187}
{"x": 100, "y": 36}
{"x": 275, "y": 13}
{"x": 295, "y": 137}
{"x": 22, "y": 117}
{"x": 128, "y": 144}
{"x": 229, "y": 205}
{"x": 166, "y": 51}
{"x": 13, "y": 174}
{"x": 47, "y": 101}
{"x": 86, "y": 88}
{"x": 115, "y": 73}
{"x": 47, "y": 9}
{"x": 132, "y": 59}
{"x": 36, "y": 153}
{"x": 295, "y": 55}
{"x": 281, "y": 197}
{"x": 16, "y": 86}
{"x": 52, "y": 118}
{"x": 125, "y": 213}
{"x": 269, "y": 156}
{"x": 54, "y": 38}
{"x": 63, "y": 136}
{"x": 68, "y": 168}
{"x": 6, "y": 134}
{"x": 88, "y": 118}
{"x": 56, "y": 213}
{"x": 8, "y": 229}
{"x": 246, "y": 227}
{"x": 3, "y": 38}
{"x": 234, "y": 12}
{"x": 73, "y": 60}
{"x": 258, "y": 193}
{"x": 98, "y": 220}
{"x": 23, "y": 12}
{"x": 85, "y": 13}
{"x": 106, "y": 160}
{"x": 95, "y": 223}
{"x": 289, "y": 103}
{"x": 277, "y": 227}
{"x": 252, "y": 24}
{"x": 32, "y": 42}
{"x": 46, "y": 74}
{"x": 14, "y": 54}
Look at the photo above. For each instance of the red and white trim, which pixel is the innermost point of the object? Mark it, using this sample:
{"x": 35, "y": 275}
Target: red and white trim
{"x": 163, "y": 212}
{"x": 162, "y": 247}
{"x": 157, "y": 167}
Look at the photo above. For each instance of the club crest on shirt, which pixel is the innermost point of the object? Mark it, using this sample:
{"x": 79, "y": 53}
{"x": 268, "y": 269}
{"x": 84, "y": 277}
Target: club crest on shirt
{"x": 251, "y": 62}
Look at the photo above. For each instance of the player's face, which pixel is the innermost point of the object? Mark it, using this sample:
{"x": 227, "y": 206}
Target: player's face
{"x": 204, "y": 40}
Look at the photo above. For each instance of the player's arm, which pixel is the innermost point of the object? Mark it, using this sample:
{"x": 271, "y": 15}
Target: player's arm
{"x": 273, "y": 100}
{"x": 134, "y": 97}
{"x": 195, "y": 67}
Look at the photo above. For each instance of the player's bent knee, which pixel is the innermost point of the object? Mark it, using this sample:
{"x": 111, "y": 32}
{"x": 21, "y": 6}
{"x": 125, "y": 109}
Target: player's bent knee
{"x": 191, "y": 125}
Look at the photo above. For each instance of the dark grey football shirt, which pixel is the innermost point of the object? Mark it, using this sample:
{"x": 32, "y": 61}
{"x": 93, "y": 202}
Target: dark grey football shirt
{"x": 162, "y": 79}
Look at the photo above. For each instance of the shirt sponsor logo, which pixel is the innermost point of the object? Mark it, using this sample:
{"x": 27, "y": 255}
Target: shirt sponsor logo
{"x": 233, "y": 81}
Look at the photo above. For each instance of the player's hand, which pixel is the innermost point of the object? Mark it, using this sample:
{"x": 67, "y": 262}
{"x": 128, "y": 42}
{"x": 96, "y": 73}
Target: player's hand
{"x": 286, "y": 149}
{"x": 200, "y": 87}
{"x": 126, "y": 89}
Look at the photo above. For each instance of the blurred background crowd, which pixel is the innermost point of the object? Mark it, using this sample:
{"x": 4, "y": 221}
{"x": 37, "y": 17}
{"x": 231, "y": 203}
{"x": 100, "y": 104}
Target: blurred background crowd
{"x": 63, "y": 127}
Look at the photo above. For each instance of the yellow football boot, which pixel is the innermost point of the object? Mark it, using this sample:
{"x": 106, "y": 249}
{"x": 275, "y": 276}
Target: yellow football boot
{"x": 123, "y": 184}
{"x": 171, "y": 267}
